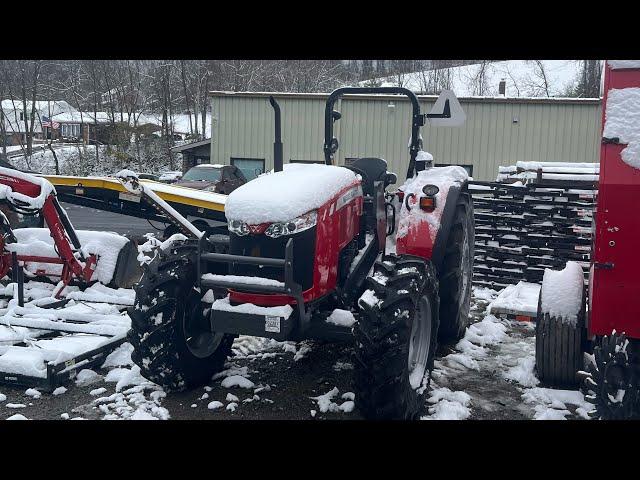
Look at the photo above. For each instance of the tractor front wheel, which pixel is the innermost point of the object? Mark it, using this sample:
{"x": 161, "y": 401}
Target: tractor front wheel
{"x": 395, "y": 338}
{"x": 170, "y": 330}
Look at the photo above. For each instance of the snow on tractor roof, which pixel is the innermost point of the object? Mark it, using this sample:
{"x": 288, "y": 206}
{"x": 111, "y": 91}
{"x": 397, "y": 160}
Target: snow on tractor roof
{"x": 283, "y": 196}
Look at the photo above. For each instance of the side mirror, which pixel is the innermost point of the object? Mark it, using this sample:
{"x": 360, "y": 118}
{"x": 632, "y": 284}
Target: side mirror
{"x": 335, "y": 115}
{"x": 390, "y": 179}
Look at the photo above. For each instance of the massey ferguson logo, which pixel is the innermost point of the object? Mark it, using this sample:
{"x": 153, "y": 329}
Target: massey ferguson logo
{"x": 8, "y": 179}
{"x": 257, "y": 228}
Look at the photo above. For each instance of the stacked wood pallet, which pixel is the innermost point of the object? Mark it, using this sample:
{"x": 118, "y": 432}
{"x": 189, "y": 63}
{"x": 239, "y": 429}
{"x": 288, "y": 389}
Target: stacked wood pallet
{"x": 536, "y": 215}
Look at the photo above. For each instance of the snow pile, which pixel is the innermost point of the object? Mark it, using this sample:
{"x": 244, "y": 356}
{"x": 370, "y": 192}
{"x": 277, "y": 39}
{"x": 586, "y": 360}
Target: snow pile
{"x": 248, "y": 346}
{"x": 103, "y": 294}
{"x": 32, "y": 392}
{"x": 285, "y": 195}
{"x": 448, "y": 405}
{"x": 343, "y": 318}
{"x": 521, "y": 299}
{"x": 443, "y": 178}
{"x": 59, "y": 391}
{"x": 215, "y": 405}
{"x": 522, "y": 371}
{"x": 237, "y": 381}
{"x": 23, "y": 361}
{"x": 326, "y": 404}
{"x": 551, "y": 404}
{"x": 622, "y": 120}
{"x": 133, "y": 404}
{"x": 484, "y": 293}
{"x": 87, "y": 377}
{"x": 120, "y": 357}
{"x": 17, "y": 416}
{"x": 562, "y": 292}
{"x": 37, "y": 241}
{"x": 471, "y": 350}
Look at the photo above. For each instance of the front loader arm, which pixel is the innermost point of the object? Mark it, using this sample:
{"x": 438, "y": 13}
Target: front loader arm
{"x": 28, "y": 193}
{"x": 133, "y": 185}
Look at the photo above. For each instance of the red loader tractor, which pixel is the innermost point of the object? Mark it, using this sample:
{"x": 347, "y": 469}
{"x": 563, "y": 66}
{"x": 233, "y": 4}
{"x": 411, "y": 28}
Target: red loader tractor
{"x": 306, "y": 260}
{"x": 31, "y": 196}
{"x": 603, "y": 318}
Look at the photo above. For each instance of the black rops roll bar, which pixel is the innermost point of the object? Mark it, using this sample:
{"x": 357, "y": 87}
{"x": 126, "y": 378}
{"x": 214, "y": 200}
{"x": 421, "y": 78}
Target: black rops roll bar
{"x": 330, "y": 116}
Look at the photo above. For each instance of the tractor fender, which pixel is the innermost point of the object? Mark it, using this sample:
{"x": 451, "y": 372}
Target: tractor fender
{"x": 446, "y": 220}
{"x": 424, "y": 238}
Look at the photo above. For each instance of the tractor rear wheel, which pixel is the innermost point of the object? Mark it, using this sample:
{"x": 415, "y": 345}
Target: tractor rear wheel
{"x": 396, "y": 338}
{"x": 611, "y": 380}
{"x": 170, "y": 330}
{"x": 456, "y": 275}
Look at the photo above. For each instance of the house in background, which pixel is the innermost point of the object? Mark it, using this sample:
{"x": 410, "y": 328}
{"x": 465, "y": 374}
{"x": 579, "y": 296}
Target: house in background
{"x": 194, "y": 153}
{"x": 13, "y": 116}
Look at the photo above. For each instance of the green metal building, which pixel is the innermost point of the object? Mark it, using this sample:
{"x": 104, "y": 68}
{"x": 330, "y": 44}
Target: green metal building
{"x": 498, "y": 131}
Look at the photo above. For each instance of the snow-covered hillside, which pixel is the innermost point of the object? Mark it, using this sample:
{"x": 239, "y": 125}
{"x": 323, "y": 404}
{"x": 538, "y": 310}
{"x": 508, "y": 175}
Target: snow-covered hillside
{"x": 524, "y": 78}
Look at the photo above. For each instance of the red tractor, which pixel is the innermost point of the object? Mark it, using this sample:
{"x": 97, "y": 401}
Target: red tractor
{"x": 566, "y": 328}
{"x": 306, "y": 259}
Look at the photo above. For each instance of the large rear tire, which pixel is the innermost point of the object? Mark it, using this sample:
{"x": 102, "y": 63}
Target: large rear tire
{"x": 456, "y": 275}
{"x": 559, "y": 348}
{"x": 396, "y": 338}
{"x": 170, "y": 330}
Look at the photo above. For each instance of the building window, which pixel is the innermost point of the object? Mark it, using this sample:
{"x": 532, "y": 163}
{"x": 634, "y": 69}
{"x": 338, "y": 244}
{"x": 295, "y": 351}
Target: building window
{"x": 320, "y": 162}
{"x": 468, "y": 168}
{"x": 70, "y": 130}
{"x": 250, "y": 167}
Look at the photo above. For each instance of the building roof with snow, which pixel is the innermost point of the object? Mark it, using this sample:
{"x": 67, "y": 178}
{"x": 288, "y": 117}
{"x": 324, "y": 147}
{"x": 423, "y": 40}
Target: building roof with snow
{"x": 44, "y": 107}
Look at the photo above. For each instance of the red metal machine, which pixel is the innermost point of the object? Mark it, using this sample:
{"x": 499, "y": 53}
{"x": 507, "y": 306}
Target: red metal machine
{"x": 306, "y": 259}
{"x": 610, "y": 326}
{"x": 614, "y": 282}
{"x": 28, "y": 194}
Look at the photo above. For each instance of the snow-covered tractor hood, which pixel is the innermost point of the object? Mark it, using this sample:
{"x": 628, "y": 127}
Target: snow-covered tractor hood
{"x": 285, "y": 195}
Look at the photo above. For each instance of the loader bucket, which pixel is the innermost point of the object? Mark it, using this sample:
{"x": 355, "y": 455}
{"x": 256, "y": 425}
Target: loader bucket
{"x": 127, "y": 271}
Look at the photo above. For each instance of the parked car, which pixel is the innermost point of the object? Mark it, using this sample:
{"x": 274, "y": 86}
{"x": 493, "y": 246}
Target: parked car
{"x": 170, "y": 177}
{"x": 148, "y": 176}
{"x": 214, "y": 178}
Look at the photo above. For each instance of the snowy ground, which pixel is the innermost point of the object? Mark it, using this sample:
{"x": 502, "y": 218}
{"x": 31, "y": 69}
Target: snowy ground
{"x": 487, "y": 375}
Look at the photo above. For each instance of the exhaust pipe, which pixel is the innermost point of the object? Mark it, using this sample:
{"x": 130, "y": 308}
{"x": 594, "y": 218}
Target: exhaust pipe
{"x": 277, "y": 144}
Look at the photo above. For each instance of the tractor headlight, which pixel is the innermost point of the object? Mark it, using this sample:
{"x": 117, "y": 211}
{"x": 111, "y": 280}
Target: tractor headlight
{"x": 300, "y": 224}
{"x": 238, "y": 227}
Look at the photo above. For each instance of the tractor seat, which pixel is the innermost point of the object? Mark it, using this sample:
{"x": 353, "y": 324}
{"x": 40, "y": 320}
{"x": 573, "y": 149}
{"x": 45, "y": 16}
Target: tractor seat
{"x": 374, "y": 170}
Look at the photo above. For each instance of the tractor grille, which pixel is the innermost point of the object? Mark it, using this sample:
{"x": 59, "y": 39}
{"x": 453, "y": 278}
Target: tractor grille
{"x": 304, "y": 247}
